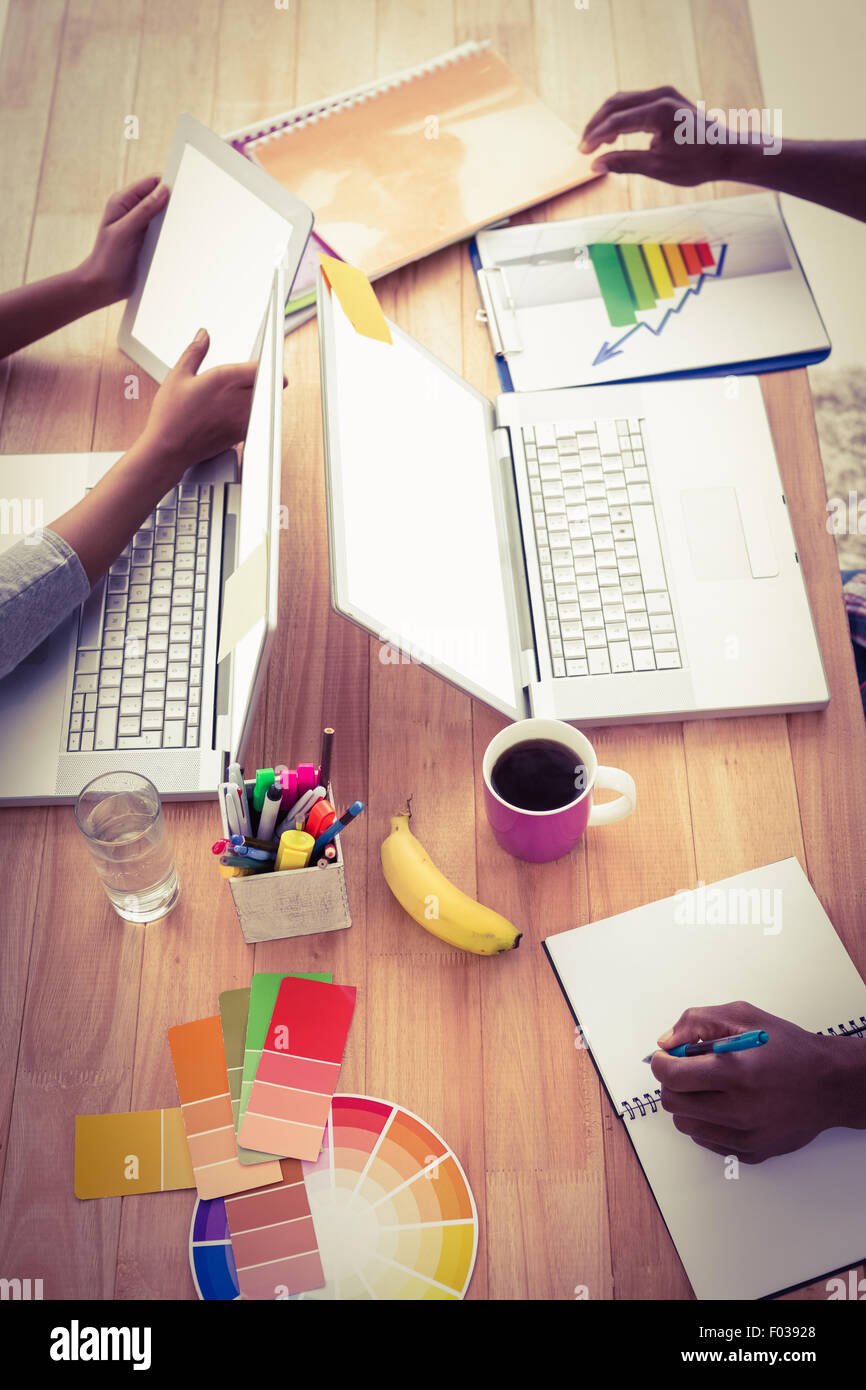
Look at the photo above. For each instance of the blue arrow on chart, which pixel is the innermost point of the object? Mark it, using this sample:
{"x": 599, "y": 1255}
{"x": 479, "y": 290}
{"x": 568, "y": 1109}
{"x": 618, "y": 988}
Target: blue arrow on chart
{"x": 609, "y": 350}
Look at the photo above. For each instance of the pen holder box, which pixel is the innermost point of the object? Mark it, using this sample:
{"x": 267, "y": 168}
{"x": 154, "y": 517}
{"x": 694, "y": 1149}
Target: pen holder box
{"x": 296, "y": 902}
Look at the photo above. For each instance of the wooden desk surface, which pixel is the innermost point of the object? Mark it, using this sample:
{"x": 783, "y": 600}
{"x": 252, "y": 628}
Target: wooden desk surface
{"x": 484, "y": 1049}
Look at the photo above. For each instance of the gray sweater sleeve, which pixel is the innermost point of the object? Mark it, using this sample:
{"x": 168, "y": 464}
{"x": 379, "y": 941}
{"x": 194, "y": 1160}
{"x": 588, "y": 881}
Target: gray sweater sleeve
{"x": 41, "y": 582}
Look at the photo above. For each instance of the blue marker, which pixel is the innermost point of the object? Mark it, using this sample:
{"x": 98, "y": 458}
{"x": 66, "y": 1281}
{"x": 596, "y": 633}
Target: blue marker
{"x": 249, "y": 852}
{"x": 739, "y": 1042}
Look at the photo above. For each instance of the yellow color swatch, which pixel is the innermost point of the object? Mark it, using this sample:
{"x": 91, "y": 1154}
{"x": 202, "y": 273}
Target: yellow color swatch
{"x": 658, "y": 271}
{"x": 357, "y": 297}
{"x": 140, "y": 1151}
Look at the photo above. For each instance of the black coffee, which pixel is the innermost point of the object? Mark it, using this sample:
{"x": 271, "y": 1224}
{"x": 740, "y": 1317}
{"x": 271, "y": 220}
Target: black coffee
{"x": 539, "y": 775}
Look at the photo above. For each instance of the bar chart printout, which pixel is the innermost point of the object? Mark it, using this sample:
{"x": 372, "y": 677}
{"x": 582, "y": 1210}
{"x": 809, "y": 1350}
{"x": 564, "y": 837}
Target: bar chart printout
{"x": 634, "y": 277}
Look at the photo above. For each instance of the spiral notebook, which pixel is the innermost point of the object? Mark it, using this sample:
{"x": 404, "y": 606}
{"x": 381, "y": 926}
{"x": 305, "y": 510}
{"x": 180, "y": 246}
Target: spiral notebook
{"x": 403, "y": 166}
{"x": 762, "y": 936}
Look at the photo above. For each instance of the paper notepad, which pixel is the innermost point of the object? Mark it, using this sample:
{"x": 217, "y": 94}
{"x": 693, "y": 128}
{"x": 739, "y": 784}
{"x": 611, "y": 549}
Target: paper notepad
{"x": 764, "y": 937}
{"x": 408, "y": 164}
{"x": 290, "y": 1099}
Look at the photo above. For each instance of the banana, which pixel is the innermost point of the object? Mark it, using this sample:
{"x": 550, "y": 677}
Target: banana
{"x": 435, "y": 902}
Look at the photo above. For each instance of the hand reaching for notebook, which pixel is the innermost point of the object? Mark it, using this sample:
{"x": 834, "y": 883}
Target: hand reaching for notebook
{"x": 109, "y": 270}
{"x": 195, "y": 416}
{"x": 658, "y": 112}
{"x": 769, "y": 1100}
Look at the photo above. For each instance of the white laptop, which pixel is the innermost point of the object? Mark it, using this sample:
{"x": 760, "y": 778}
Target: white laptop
{"x": 132, "y": 679}
{"x": 592, "y": 554}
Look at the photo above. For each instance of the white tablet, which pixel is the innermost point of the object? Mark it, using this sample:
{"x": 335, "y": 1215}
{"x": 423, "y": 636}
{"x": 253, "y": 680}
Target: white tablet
{"x": 208, "y": 259}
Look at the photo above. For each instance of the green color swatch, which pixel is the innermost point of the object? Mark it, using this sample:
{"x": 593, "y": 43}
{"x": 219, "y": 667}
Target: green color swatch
{"x": 262, "y": 996}
{"x": 636, "y": 271}
{"x": 613, "y": 284}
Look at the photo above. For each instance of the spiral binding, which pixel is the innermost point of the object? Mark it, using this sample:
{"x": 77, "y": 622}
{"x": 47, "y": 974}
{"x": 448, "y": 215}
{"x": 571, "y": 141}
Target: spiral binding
{"x": 650, "y": 1101}
{"x": 853, "y": 1029}
{"x": 291, "y": 121}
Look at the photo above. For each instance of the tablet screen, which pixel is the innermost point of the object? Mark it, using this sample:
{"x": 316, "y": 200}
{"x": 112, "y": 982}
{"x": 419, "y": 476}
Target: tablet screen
{"x": 212, "y": 266}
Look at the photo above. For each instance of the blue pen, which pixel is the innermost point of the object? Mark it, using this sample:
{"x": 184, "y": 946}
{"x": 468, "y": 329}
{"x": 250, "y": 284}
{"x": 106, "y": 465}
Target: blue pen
{"x": 247, "y": 851}
{"x": 334, "y": 829}
{"x": 738, "y": 1042}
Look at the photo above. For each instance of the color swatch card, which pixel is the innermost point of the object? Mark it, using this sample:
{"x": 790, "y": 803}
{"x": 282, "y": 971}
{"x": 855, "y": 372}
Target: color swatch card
{"x": 140, "y": 1151}
{"x": 203, "y": 1087}
{"x": 262, "y": 997}
{"x": 273, "y": 1238}
{"x": 234, "y": 1009}
{"x": 300, "y": 1064}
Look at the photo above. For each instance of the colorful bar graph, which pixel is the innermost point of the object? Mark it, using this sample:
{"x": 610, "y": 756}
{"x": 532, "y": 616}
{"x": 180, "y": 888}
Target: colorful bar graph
{"x": 658, "y": 271}
{"x": 635, "y": 270}
{"x": 635, "y": 276}
{"x": 690, "y": 257}
{"x": 613, "y": 284}
{"x": 676, "y": 265}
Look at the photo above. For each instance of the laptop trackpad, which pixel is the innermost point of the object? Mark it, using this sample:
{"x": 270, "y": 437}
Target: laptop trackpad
{"x": 714, "y": 529}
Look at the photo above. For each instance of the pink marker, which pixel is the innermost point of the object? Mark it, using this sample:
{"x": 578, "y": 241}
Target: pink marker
{"x": 287, "y": 780}
{"x": 307, "y": 779}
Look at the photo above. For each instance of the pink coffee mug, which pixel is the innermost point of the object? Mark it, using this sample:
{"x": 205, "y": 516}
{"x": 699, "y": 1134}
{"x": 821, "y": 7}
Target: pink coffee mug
{"x": 540, "y": 836}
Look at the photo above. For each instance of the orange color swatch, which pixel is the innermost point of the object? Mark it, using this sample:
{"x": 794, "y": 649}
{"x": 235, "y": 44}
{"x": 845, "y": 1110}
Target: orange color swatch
{"x": 198, "y": 1056}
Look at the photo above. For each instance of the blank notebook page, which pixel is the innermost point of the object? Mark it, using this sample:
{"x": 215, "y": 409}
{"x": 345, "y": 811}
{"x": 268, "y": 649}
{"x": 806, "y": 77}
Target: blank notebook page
{"x": 628, "y": 979}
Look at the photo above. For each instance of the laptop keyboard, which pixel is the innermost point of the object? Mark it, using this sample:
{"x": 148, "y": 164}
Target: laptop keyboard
{"x": 138, "y": 667}
{"x": 606, "y": 600}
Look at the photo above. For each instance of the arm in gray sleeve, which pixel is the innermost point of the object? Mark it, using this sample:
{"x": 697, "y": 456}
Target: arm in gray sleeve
{"x": 41, "y": 582}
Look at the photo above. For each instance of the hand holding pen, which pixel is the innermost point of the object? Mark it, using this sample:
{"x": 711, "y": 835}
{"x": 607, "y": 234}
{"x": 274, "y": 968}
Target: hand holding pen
{"x": 738, "y": 1042}
{"x": 765, "y": 1100}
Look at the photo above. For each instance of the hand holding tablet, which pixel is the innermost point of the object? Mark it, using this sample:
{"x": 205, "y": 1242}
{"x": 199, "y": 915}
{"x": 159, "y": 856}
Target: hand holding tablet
{"x": 208, "y": 259}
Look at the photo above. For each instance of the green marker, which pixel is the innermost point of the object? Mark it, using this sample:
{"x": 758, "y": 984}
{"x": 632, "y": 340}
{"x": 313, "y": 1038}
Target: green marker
{"x": 264, "y": 779}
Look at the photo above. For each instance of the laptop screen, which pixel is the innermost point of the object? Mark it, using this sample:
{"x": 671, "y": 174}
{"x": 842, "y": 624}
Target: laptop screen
{"x": 260, "y": 484}
{"x": 418, "y": 555}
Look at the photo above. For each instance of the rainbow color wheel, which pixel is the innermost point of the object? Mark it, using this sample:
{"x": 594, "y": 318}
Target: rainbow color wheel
{"x": 394, "y": 1214}
{"x": 210, "y": 1251}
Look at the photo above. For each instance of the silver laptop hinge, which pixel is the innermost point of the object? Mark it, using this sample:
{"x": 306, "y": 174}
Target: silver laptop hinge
{"x": 517, "y": 557}
{"x": 529, "y": 666}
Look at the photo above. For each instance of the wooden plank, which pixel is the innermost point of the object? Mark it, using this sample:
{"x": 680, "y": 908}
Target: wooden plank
{"x": 625, "y": 869}
{"x": 828, "y": 748}
{"x": 28, "y": 65}
{"x": 655, "y": 47}
{"x": 28, "y": 69}
{"x": 336, "y": 47}
{"x": 256, "y": 57}
{"x": 76, "y": 1055}
{"x": 509, "y": 27}
{"x": 728, "y": 65}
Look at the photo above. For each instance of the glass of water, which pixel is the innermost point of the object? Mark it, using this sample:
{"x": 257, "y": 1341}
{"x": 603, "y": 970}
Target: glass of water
{"x": 121, "y": 819}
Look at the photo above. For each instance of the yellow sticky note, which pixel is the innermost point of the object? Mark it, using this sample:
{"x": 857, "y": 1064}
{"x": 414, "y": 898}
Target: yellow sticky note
{"x": 142, "y": 1151}
{"x": 357, "y": 297}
